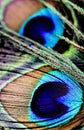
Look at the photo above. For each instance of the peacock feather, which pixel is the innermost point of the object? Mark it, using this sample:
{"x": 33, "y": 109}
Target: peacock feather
{"x": 41, "y": 65}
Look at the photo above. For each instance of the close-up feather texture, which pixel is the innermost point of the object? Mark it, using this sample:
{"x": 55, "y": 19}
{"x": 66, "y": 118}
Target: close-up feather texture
{"x": 41, "y": 64}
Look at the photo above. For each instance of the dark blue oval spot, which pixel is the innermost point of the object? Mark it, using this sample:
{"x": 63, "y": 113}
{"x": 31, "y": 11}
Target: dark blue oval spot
{"x": 44, "y": 102}
{"x": 37, "y": 26}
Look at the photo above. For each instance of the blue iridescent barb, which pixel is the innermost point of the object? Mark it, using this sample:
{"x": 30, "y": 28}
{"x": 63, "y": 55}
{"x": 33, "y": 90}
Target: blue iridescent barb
{"x": 53, "y": 101}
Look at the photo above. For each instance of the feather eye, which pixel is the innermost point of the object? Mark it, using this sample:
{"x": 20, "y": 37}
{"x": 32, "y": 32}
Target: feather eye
{"x": 53, "y": 102}
{"x": 52, "y": 30}
{"x": 46, "y": 28}
{"x": 42, "y": 27}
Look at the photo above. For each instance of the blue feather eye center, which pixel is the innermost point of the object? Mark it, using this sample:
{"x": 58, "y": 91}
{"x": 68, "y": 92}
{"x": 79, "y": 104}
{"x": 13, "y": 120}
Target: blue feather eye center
{"x": 45, "y": 103}
{"x": 42, "y": 27}
{"x": 37, "y": 27}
